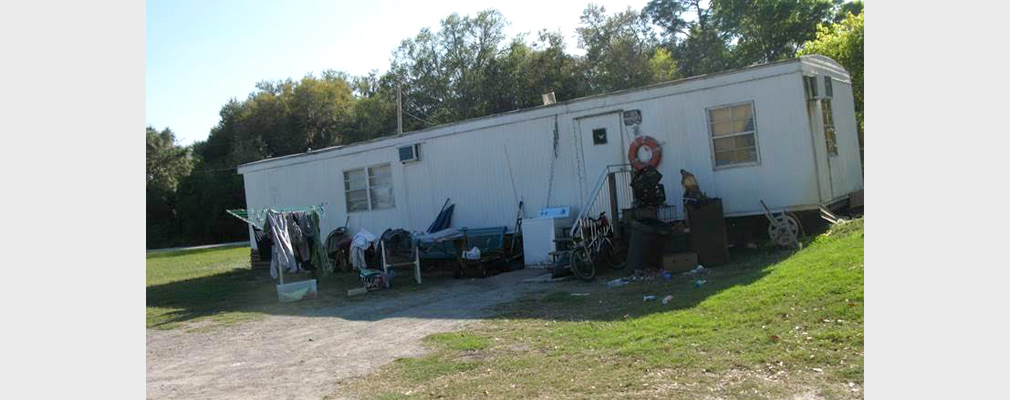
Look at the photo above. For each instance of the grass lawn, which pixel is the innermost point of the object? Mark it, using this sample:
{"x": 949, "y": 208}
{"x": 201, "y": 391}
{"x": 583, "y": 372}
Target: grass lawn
{"x": 773, "y": 325}
{"x": 209, "y": 288}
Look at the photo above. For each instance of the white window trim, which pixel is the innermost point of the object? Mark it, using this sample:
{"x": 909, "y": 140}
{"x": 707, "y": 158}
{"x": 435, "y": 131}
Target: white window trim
{"x": 368, "y": 187}
{"x": 711, "y": 137}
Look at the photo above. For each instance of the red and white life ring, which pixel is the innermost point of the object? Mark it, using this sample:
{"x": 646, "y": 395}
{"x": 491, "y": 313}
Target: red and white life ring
{"x": 644, "y": 151}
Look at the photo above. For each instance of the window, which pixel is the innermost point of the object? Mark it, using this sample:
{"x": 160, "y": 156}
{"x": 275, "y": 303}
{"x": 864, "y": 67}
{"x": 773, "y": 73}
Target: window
{"x": 369, "y": 188}
{"x": 829, "y": 127}
{"x": 599, "y": 136}
{"x": 734, "y": 139}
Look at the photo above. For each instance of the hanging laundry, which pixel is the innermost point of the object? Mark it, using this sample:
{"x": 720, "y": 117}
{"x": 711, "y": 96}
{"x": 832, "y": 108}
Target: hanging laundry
{"x": 301, "y": 242}
{"x": 361, "y": 242}
{"x": 283, "y": 254}
{"x": 263, "y": 243}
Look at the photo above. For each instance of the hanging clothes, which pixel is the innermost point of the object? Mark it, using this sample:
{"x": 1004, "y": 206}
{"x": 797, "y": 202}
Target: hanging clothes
{"x": 299, "y": 241}
{"x": 263, "y": 243}
{"x": 361, "y": 242}
{"x": 283, "y": 254}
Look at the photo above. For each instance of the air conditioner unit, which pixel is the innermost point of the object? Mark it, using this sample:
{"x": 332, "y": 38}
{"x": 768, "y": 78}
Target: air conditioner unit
{"x": 409, "y": 153}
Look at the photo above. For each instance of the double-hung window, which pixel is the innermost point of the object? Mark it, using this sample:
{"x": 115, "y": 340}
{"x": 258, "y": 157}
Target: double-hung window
{"x": 369, "y": 188}
{"x": 734, "y": 135}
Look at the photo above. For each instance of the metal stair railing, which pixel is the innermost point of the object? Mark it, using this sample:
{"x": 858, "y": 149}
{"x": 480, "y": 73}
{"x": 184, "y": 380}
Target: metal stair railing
{"x": 601, "y": 200}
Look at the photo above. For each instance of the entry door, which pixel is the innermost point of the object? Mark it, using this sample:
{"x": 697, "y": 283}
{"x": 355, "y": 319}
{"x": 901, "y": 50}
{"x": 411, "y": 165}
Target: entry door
{"x": 602, "y": 143}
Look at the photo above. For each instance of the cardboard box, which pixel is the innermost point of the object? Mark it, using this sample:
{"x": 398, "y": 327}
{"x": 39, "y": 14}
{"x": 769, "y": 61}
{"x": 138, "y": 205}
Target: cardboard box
{"x": 680, "y": 262}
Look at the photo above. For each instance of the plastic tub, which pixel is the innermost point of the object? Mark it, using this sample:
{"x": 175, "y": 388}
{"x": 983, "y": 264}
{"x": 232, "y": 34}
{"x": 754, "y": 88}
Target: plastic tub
{"x": 295, "y": 291}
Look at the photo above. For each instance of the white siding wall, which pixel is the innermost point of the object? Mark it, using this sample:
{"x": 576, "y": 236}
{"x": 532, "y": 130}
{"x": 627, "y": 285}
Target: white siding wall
{"x": 467, "y": 162}
{"x": 846, "y": 168}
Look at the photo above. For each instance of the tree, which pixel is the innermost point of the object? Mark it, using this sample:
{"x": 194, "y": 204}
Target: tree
{"x": 618, "y": 48}
{"x": 843, "y": 10}
{"x": 454, "y": 73}
{"x": 697, "y": 44}
{"x": 770, "y": 30}
{"x": 166, "y": 161}
{"x": 167, "y": 165}
{"x": 843, "y": 42}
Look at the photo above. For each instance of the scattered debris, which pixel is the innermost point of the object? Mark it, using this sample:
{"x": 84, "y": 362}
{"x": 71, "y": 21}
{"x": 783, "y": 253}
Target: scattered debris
{"x": 817, "y": 370}
{"x": 472, "y": 254}
{"x": 579, "y": 294}
{"x": 700, "y": 269}
{"x": 648, "y": 297}
{"x": 666, "y": 275}
{"x": 356, "y": 291}
{"x": 699, "y": 282}
{"x": 617, "y": 282}
{"x": 667, "y": 299}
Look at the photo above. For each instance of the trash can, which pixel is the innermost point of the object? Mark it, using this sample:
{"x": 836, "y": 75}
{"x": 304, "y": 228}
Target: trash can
{"x": 645, "y": 246}
{"x": 708, "y": 231}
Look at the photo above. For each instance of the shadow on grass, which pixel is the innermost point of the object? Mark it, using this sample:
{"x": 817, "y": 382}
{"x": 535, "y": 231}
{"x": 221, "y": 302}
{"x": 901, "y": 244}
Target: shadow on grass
{"x": 244, "y": 291}
{"x": 578, "y": 301}
{"x": 225, "y": 296}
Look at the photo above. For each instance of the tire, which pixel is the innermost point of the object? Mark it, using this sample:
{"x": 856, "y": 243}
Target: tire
{"x": 612, "y": 256}
{"x": 582, "y": 267}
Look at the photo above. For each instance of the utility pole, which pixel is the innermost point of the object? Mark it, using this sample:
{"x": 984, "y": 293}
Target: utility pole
{"x": 399, "y": 110}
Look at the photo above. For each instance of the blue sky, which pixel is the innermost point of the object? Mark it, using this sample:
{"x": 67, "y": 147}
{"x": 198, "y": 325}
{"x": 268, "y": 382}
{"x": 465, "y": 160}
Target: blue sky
{"x": 201, "y": 53}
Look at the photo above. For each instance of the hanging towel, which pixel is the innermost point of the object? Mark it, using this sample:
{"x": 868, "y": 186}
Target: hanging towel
{"x": 283, "y": 255}
{"x": 361, "y": 241}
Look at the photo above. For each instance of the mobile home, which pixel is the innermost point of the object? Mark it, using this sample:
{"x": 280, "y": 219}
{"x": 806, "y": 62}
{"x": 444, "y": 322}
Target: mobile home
{"x": 784, "y": 133}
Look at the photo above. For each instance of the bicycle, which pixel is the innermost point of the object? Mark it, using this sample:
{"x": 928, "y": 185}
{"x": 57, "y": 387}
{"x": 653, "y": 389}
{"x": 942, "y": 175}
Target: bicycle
{"x": 595, "y": 245}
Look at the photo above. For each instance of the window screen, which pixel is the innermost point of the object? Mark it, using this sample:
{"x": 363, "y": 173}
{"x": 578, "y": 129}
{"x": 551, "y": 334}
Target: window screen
{"x": 369, "y": 188}
{"x": 600, "y": 136}
{"x": 734, "y": 139}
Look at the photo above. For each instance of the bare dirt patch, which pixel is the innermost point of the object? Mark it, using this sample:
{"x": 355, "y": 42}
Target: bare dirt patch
{"x": 306, "y": 356}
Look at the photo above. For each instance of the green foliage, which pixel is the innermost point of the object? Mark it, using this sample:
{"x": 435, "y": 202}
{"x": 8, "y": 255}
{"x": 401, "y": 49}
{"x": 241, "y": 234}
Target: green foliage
{"x": 618, "y": 49}
{"x": 843, "y": 42}
{"x": 770, "y": 30}
{"x": 166, "y": 161}
{"x": 167, "y": 165}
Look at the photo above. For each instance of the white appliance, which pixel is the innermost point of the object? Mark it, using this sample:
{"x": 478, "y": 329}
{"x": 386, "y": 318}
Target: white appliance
{"x": 539, "y": 234}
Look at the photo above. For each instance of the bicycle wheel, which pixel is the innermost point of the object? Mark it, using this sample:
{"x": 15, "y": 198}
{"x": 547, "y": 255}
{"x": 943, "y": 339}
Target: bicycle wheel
{"x": 582, "y": 267}
{"x": 612, "y": 255}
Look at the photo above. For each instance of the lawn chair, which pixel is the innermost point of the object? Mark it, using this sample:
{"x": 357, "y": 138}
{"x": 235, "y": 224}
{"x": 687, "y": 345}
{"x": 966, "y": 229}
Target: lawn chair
{"x": 388, "y": 260}
{"x": 490, "y": 241}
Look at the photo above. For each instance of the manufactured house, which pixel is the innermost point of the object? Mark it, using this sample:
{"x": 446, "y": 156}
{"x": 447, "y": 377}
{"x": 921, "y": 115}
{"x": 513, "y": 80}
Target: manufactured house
{"x": 784, "y": 133}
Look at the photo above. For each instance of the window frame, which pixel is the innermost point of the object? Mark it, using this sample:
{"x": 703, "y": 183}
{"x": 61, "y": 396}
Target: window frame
{"x": 368, "y": 187}
{"x": 600, "y": 143}
{"x": 828, "y": 113}
{"x": 712, "y": 137}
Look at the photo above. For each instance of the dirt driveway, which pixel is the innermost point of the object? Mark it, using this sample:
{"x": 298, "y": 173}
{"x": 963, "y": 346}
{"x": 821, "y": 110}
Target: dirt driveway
{"x": 304, "y": 357}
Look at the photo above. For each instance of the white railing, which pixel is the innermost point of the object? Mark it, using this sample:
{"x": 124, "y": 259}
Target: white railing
{"x": 600, "y": 200}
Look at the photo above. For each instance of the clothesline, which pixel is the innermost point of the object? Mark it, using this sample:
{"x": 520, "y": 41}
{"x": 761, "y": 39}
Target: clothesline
{"x": 257, "y": 218}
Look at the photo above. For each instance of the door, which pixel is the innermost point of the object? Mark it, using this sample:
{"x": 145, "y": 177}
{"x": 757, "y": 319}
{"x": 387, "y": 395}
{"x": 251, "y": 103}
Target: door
{"x": 602, "y": 143}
